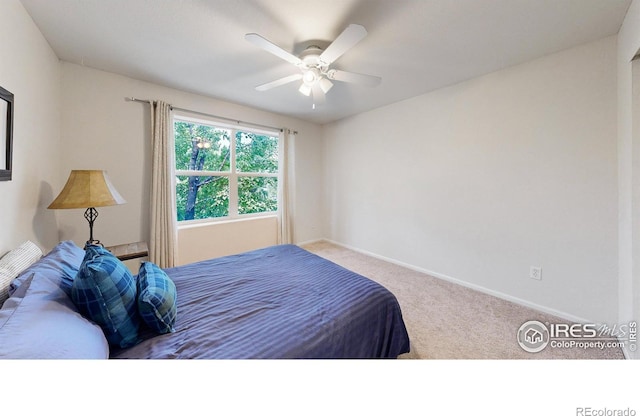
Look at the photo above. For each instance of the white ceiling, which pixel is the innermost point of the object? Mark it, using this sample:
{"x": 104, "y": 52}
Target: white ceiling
{"x": 416, "y": 46}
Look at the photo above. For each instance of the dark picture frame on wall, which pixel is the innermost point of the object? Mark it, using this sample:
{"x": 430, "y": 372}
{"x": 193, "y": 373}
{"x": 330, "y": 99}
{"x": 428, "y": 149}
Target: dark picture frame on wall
{"x": 6, "y": 134}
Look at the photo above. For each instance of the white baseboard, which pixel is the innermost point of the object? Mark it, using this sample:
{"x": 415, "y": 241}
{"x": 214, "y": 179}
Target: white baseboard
{"x": 500, "y": 295}
{"x": 317, "y": 240}
{"x": 625, "y": 352}
{"x": 628, "y": 355}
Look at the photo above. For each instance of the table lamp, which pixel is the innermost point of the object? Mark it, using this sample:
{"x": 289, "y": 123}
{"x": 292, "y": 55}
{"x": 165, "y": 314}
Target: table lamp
{"x": 87, "y": 189}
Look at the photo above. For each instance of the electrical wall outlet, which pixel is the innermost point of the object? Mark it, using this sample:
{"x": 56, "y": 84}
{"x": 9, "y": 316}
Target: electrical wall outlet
{"x": 535, "y": 272}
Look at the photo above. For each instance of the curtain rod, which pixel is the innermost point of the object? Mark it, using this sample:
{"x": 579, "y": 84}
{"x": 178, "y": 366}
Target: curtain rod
{"x": 238, "y": 122}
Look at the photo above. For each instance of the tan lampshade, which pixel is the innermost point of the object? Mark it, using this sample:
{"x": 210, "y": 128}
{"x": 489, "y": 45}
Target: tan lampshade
{"x": 87, "y": 189}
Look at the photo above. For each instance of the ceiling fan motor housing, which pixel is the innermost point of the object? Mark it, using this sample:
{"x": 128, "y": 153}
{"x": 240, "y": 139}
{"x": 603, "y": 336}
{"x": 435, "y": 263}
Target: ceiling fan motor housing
{"x": 311, "y": 58}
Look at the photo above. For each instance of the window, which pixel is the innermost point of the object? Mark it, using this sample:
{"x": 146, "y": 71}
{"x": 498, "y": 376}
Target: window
{"x": 224, "y": 172}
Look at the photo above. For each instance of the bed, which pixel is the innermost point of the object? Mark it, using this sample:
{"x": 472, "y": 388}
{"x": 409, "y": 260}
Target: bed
{"x": 280, "y": 302}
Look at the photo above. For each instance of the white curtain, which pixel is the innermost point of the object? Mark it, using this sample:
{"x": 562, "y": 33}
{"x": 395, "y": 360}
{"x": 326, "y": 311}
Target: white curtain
{"x": 162, "y": 245}
{"x": 285, "y": 227}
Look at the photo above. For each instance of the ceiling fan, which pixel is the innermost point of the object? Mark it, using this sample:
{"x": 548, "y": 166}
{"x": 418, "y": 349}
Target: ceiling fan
{"x": 315, "y": 64}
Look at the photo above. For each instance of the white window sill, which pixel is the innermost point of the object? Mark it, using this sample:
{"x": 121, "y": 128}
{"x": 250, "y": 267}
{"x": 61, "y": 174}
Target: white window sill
{"x": 183, "y": 225}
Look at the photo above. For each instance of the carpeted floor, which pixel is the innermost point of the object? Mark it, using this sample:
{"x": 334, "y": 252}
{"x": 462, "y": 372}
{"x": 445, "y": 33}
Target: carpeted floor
{"x": 449, "y": 321}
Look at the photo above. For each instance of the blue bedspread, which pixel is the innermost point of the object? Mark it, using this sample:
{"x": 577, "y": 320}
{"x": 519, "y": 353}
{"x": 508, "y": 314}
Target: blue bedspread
{"x": 277, "y": 302}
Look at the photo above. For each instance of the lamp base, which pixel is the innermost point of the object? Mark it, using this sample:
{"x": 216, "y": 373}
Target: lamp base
{"x": 90, "y": 215}
{"x": 93, "y": 243}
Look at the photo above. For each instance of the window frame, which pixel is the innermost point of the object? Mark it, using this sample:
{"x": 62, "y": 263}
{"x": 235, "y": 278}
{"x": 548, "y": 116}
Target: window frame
{"x": 232, "y": 174}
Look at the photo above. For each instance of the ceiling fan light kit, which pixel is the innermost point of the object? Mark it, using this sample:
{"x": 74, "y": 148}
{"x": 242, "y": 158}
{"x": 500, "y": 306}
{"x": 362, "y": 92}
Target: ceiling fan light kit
{"x": 314, "y": 64}
{"x": 325, "y": 85}
{"x": 305, "y": 89}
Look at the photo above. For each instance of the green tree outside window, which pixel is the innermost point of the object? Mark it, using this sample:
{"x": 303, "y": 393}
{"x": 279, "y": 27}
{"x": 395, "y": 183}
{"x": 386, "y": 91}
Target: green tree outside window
{"x": 220, "y": 169}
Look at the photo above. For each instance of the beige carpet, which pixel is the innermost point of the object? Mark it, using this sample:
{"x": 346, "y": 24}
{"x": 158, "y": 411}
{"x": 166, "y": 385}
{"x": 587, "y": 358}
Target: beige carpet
{"x": 449, "y": 321}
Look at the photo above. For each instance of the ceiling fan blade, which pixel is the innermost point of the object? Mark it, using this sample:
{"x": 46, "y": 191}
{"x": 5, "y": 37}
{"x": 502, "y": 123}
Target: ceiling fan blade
{"x": 279, "y": 82}
{"x": 345, "y": 41}
{"x": 344, "y": 76}
{"x": 270, "y": 47}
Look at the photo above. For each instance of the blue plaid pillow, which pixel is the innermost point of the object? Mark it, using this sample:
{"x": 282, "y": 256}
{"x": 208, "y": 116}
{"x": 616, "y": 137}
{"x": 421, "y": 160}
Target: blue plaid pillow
{"x": 104, "y": 291}
{"x": 156, "y": 298}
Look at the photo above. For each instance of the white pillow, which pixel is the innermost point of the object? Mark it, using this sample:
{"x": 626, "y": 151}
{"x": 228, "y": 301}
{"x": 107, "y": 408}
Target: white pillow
{"x": 15, "y": 262}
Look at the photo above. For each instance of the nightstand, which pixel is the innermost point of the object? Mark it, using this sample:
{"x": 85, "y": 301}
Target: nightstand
{"x": 130, "y": 251}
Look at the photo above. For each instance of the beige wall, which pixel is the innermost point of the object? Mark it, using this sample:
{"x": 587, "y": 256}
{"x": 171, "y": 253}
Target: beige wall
{"x": 101, "y": 130}
{"x": 204, "y": 241}
{"x": 31, "y": 71}
{"x": 478, "y": 182}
